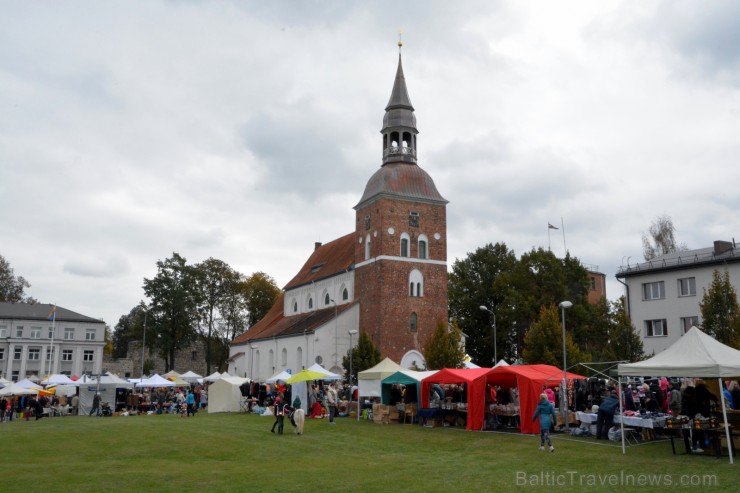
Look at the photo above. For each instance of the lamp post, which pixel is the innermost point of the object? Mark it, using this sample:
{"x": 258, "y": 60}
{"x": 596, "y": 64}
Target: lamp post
{"x": 493, "y": 315}
{"x": 351, "y": 333}
{"x": 143, "y": 342}
{"x": 336, "y": 335}
{"x": 564, "y": 387}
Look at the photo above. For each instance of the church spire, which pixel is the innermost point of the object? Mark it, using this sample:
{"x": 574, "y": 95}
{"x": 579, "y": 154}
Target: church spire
{"x": 399, "y": 123}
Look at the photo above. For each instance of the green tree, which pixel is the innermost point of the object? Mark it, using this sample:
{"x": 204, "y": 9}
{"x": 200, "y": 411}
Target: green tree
{"x": 365, "y": 355}
{"x": 261, "y": 292}
{"x": 544, "y": 341}
{"x": 174, "y": 306}
{"x": 12, "y": 288}
{"x": 623, "y": 340}
{"x": 212, "y": 280}
{"x": 660, "y": 238}
{"x": 130, "y": 327}
{"x": 720, "y": 311}
{"x": 444, "y": 349}
{"x": 233, "y": 309}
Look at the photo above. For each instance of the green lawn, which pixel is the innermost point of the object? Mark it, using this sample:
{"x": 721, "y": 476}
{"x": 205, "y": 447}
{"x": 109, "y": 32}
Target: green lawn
{"x": 237, "y": 452}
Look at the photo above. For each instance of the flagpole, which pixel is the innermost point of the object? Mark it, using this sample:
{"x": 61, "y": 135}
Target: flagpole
{"x": 548, "y": 236}
{"x": 53, "y": 333}
{"x": 565, "y": 247}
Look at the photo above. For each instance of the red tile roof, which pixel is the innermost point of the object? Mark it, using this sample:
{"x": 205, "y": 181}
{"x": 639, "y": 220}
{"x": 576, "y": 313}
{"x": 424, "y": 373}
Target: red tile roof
{"x": 326, "y": 261}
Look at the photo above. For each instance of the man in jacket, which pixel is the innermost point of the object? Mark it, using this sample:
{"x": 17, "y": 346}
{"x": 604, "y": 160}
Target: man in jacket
{"x": 605, "y": 417}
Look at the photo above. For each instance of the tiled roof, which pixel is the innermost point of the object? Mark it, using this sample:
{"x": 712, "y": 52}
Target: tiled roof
{"x": 275, "y": 324}
{"x": 40, "y": 311}
{"x": 401, "y": 180}
{"x": 326, "y": 260}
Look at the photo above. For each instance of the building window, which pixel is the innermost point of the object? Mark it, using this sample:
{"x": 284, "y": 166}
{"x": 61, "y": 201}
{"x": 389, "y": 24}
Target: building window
{"x": 367, "y": 221}
{"x": 34, "y": 354}
{"x": 88, "y": 356}
{"x": 3, "y": 331}
{"x": 327, "y": 300}
{"x": 17, "y": 353}
{"x": 423, "y": 247}
{"x": 69, "y": 334}
{"x": 90, "y": 334}
{"x": 656, "y": 328}
{"x": 15, "y": 375}
{"x": 19, "y": 331}
{"x": 404, "y": 245}
{"x": 51, "y": 332}
{"x": 412, "y": 325}
{"x": 295, "y": 306}
{"x": 345, "y": 294}
{"x": 194, "y": 356}
{"x": 310, "y": 303}
{"x": 284, "y": 357}
{"x": 416, "y": 283}
{"x": 2, "y": 353}
{"x": 687, "y": 286}
{"x": 367, "y": 247}
{"x": 35, "y": 332}
{"x": 67, "y": 355}
{"x": 688, "y": 322}
{"x": 593, "y": 284}
{"x": 49, "y": 354}
{"x": 653, "y": 290}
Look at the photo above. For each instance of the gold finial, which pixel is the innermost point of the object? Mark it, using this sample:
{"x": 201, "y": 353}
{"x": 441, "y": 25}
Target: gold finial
{"x": 400, "y": 40}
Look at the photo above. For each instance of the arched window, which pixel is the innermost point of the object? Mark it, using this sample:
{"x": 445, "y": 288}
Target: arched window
{"x": 367, "y": 247}
{"x": 345, "y": 294}
{"x": 327, "y": 299}
{"x": 405, "y": 238}
{"x": 299, "y": 357}
{"x": 310, "y": 303}
{"x": 423, "y": 246}
{"x": 416, "y": 283}
{"x": 271, "y": 360}
{"x": 295, "y": 306}
{"x": 412, "y": 322}
{"x": 284, "y": 358}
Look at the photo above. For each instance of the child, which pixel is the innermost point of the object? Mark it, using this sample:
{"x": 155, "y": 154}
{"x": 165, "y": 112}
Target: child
{"x": 546, "y": 412}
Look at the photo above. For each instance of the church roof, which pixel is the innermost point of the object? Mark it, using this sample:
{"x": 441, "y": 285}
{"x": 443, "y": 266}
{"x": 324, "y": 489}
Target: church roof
{"x": 275, "y": 324}
{"x": 326, "y": 261}
{"x": 401, "y": 180}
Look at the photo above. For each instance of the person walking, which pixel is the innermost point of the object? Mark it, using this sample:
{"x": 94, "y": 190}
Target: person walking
{"x": 331, "y": 398}
{"x": 96, "y": 405}
{"x": 190, "y": 402}
{"x": 546, "y": 412}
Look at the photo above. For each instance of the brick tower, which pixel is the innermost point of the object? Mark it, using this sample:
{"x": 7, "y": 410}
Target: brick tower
{"x": 401, "y": 248}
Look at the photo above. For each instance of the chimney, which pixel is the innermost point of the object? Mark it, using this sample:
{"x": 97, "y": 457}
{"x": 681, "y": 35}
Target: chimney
{"x": 316, "y": 245}
{"x": 721, "y": 247}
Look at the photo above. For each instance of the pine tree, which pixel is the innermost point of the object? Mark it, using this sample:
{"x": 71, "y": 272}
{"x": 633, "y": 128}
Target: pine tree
{"x": 444, "y": 349}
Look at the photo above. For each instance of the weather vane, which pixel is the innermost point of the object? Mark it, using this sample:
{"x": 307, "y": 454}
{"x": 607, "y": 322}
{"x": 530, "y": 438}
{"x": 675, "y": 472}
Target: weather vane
{"x": 400, "y": 41}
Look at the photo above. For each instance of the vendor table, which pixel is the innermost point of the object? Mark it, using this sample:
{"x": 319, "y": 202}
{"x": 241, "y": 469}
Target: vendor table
{"x": 507, "y": 419}
{"x": 427, "y": 413}
{"x": 715, "y": 435}
{"x": 637, "y": 421}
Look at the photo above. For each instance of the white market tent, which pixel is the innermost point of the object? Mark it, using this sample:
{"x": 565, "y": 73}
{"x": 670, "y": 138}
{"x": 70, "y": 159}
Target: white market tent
{"x": 190, "y": 376}
{"x": 212, "y": 377}
{"x": 320, "y": 369}
{"x": 107, "y": 386}
{"x": 171, "y": 373}
{"x": 696, "y": 355}
{"x": 155, "y": 381}
{"x": 224, "y": 395}
{"x": 57, "y": 379}
{"x": 15, "y": 389}
{"x": 28, "y": 384}
{"x": 369, "y": 380}
{"x": 283, "y": 375}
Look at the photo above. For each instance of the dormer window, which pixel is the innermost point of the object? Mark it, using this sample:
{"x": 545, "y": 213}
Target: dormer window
{"x": 317, "y": 267}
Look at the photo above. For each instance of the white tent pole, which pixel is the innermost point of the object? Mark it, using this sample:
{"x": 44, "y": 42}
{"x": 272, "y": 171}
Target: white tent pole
{"x": 621, "y": 412}
{"x": 727, "y": 425}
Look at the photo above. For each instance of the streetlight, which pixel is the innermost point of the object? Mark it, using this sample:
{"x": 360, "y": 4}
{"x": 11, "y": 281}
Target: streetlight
{"x": 351, "y": 333}
{"x": 336, "y": 336}
{"x": 143, "y": 342}
{"x": 493, "y": 314}
{"x": 564, "y": 388}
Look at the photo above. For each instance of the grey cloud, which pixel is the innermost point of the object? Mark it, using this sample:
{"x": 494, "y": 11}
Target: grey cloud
{"x": 112, "y": 266}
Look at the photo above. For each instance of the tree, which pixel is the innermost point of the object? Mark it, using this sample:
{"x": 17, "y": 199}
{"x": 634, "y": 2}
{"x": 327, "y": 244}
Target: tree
{"x": 233, "y": 308}
{"x": 212, "y": 279}
{"x": 365, "y": 355}
{"x": 444, "y": 348}
{"x": 130, "y": 327}
{"x": 544, "y": 341}
{"x": 261, "y": 294}
{"x": 661, "y": 238}
{"x": 174, "y": 306}
{"x": 12, "y": 288}
{"x": 720, "y": 311}
{"x": 623, "y": 340}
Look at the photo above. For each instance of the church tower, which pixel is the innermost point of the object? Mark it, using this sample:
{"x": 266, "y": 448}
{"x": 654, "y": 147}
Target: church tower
{"x": 401, "y": 241}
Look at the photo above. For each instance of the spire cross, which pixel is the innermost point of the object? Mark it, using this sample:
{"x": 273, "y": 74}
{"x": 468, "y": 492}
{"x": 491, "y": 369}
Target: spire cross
{"x": 400, "y": 41}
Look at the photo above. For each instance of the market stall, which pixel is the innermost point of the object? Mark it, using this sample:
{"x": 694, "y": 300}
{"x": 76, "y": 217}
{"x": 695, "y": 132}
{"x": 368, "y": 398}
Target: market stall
{"x": 530, "y": 380}
{"x": 475, "y": 381}
{"x": 224, "y": 395}
{"x": 694, "y": 355}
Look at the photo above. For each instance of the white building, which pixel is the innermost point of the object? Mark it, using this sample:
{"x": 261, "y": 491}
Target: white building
{"x": 663, "y": 294}
{"x": 32, "y": 344}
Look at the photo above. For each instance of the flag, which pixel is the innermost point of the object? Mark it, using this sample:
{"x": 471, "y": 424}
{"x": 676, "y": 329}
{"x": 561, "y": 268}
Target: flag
{"x": 550, "y": 226}
{"x": 52, "y": 314}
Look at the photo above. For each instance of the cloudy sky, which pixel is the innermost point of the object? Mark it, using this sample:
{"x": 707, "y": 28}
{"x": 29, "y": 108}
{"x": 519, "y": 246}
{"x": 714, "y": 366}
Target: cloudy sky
{"x": 247, "y": 130}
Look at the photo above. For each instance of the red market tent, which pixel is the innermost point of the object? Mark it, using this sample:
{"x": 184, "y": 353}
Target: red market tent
{"x": 475, "y": 380}
{"x": 531, "y": 380}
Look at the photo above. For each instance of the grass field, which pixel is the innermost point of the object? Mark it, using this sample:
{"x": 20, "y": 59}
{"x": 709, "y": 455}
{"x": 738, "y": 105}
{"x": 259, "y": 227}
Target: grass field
{"x": 237, "y": 452}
